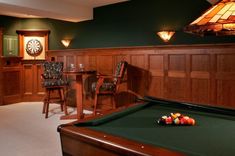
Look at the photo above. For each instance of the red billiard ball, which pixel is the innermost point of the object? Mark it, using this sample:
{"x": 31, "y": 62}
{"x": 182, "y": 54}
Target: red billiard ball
{"x": 191, "y": 121}
{"x": 183, "y": 121}
{"x": 169, "y": 120}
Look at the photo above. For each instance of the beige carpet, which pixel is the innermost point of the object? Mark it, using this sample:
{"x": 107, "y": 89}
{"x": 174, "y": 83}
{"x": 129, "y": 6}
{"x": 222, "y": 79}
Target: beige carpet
{"x": 24, "y": 131}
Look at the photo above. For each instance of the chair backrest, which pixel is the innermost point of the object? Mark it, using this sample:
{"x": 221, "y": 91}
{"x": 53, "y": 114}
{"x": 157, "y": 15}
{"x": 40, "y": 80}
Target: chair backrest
{"x": 120, "y": 71}
{"x": 53, "y": 70}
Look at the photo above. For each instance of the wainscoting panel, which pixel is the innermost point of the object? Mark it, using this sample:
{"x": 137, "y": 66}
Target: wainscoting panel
{"x": 225, "y": 79}
{"x": 203, "y": 74}
{"x": 31, "y": 85}
{"x": 11, "y": 85}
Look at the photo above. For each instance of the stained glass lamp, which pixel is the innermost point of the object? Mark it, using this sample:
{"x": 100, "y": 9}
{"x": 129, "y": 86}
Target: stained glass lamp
{"x": 218, "y": 20}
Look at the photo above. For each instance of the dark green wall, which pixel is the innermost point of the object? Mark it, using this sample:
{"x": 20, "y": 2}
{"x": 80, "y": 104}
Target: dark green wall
{"x": 58, "y": 29}
{"x": 132, "y": 23}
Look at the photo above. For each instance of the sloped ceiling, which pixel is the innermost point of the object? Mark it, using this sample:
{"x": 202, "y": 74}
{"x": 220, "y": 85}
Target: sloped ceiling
{"x": 67, "y": 10}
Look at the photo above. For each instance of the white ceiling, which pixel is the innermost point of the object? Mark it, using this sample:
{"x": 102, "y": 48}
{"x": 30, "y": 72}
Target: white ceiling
{"x": 67, "y": 10}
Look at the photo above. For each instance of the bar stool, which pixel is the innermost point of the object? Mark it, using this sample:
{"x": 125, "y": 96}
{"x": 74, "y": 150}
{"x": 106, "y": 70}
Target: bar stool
{"x": 53, "y": 82}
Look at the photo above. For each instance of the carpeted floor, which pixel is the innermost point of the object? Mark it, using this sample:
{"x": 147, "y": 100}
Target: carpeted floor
{"x": 24, "y": 131}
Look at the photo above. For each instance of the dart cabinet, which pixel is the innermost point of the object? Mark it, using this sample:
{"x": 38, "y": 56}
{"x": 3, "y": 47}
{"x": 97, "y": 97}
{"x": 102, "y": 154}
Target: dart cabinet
{"x": 32, "y": 47}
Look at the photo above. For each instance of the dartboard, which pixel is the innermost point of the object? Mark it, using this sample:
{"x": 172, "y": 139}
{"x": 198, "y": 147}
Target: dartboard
{"x": 34, "y": 47}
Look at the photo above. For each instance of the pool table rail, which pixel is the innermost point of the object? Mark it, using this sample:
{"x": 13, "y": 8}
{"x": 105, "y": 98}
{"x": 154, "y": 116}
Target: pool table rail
{"x": 86, "y": 142}
{"x": 198, "y": 107}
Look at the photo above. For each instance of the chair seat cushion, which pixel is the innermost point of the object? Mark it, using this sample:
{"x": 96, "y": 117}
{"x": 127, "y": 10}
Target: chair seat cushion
{"x": 106, "y": 86}
{"x": 54, "y": 82}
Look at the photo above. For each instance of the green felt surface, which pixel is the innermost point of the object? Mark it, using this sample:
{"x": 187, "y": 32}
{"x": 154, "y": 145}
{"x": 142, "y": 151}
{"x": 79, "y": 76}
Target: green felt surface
{"x": 213, "y": 134}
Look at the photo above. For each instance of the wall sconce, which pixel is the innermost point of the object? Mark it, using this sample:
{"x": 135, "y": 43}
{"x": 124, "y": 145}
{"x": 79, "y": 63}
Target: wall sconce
{"x": 66, "y": 42}
{"x": 165, "y": 35}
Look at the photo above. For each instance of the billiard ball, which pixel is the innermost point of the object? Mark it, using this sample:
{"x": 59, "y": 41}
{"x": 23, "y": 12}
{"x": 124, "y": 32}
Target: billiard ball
{"x": 177, "y": 114}
{"x": 176, "y": 121}
{"x": 169, "y": 120}
{"x": 183, "y": 121}
{"x": 162, "y": 120}
{"x": 191, "y": 121}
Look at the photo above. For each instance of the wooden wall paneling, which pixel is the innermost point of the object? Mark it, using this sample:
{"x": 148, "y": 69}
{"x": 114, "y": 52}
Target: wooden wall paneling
{"x": 226, "y": 92}
{"x": 138, "y": 75}
{"x": 176, "y": 89}
{"x": 70, "y": 59}
{"x": 61, "y": 59}
{"x": 105, "y": 64}
{"x": 177, "y": 63}
{"x": 83, "y": 59}
{"x": 166, "y": 78}
{"x": 212, "y": 83}
{"x": 200, "y": 78}
{"x": 32, "y": 89}
{"x": 225, "y": 78}
{"x": 92, "y": 62}
{"x": 177, "y": 81}
{"x": 156, "y": 69}
{"x": 194, "y": 73}
{"x": 28, "y": 81}
{"x": 226, "y": 63}
{"x": 11, "y": 85}
{"x": 188, "y": 79}
{"x": 138, "y": 60}
{"x": 200, "y": 90}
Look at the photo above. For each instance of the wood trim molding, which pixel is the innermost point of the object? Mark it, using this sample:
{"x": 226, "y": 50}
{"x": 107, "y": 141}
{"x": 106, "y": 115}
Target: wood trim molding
{"x": 31, "y": 32}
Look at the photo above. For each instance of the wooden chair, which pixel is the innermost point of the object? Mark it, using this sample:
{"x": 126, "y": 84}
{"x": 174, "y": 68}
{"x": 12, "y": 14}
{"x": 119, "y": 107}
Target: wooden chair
{"x": 52, "y": 81}
{"x": 109, "y": 84}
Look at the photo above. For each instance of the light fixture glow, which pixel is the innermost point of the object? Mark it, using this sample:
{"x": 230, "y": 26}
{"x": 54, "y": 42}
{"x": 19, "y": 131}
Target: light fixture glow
{"x": 66, "y": 42}
{"x": 165, "y": 35}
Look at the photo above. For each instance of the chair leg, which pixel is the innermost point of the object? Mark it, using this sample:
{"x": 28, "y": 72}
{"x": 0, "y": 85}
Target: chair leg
{"x": 95, "y": 104}
{"x": 60, "y": 92}
{"x": 63, "y": 101}
{"x": 44, "y": 102}
{"x": 44, "y": 106}
{"x": 47, "y": 103}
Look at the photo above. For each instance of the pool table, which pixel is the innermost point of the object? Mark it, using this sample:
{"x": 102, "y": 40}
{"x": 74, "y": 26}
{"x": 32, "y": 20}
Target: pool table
{"x": 135, "y": 131}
